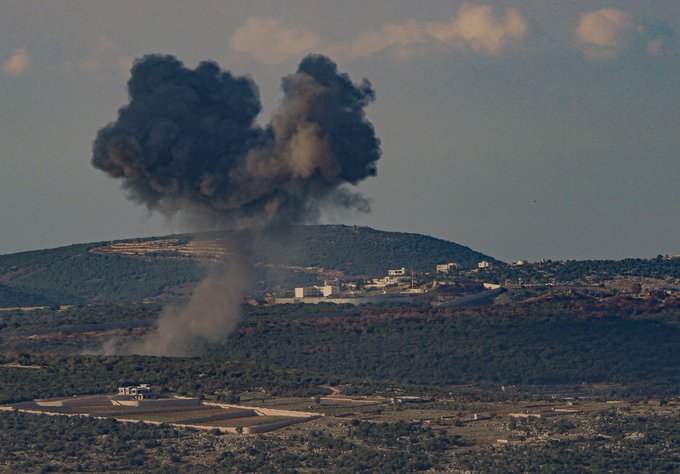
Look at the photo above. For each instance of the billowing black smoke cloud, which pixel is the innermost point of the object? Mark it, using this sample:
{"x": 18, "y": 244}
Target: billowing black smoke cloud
{"x": 188, "y": 141}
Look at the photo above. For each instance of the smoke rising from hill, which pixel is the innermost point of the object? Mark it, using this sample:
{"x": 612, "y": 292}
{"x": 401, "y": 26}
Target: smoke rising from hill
{"x": 187, "y": 144}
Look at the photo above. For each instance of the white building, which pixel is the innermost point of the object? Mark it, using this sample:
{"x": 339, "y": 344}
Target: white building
{"x": 484, "y": 264}
{"x": 308, "y": 292}
{"x": 329, "y": 290}
{"x": 395, "y": 280}
{"x": 388, "y": 281}
{"x": 446, "y": 267}
{"x": 138, "y": 392}
{"x": 316, "y": 291}
{"x": 397, "y": 272}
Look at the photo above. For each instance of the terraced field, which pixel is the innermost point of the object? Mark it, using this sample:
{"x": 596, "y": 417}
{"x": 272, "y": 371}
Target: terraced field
{"x": 249, "y": 421}
{"x": 176, "y": 416}
{"x": 175, "y": 411}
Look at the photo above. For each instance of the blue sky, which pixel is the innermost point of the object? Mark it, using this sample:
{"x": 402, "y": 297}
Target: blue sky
{"x": 524, "y": 129}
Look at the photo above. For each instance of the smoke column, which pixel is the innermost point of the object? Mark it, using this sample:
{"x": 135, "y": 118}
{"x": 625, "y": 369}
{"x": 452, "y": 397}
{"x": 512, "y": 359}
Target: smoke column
{"x": 187, "y": 145}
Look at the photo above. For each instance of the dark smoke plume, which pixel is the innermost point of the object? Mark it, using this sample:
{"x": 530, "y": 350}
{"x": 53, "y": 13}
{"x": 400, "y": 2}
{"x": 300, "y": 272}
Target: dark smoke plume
{"x": 187, "y": 143}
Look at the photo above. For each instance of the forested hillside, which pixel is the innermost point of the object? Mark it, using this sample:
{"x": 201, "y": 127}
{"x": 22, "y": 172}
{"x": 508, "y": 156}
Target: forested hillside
{"x": 631, "y": 342}
{"x": 534, "y": 343}
{"x": 169, "y": 267}
{"x": 76, "y": 274}
{"x": 10, "y": 296}
{"x": 73, "y": 274}
{"x": 362, "y": 250}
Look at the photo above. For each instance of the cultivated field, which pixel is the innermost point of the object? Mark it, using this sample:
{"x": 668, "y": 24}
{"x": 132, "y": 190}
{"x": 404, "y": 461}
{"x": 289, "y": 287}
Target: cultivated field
{"x": 173, "y": 411}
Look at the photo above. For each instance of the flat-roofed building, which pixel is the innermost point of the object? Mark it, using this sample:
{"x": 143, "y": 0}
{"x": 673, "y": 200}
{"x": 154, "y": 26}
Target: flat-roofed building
{"x": 446, "y": 267}
{"x": 308, "y": 292}
{"x": 138, "y": 392}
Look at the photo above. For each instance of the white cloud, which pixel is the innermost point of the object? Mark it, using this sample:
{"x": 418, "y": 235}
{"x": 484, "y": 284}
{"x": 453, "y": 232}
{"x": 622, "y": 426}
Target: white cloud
{"x": 610, "y": 33}
{"x": 272, "y": 41}
{"x": 17, "y": 64}
{"x": 400, "y": 38}
{"x": 479, "y": 28}
{"x": 604, "y": 34}
{"x": 475, "y": 27}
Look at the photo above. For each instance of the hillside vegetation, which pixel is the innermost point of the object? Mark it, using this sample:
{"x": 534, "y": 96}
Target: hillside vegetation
{"x": 362, "y": 250}
{"x": 622, "y": 340}
{"x": 16, "y": 297}
{"x": 76, "y": 274}
{"x": 546, "y": 342}
{"x": 73, "y": 274}
{"x": 169, "y": 267}
{"x": 591, "y": 332}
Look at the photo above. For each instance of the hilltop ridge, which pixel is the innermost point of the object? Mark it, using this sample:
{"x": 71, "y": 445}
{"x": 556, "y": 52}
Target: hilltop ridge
{"x": 169, "y": 266}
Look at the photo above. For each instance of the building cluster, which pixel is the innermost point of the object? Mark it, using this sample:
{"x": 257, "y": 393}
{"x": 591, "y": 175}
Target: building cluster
{"x": 397, "y": 282}
{"x": 394, "y": 277}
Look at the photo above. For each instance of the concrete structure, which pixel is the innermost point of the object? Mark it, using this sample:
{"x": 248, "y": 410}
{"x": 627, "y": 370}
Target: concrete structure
{"x": 308, "y": 292}
{"x": 138, "y": 392}
{"x": 377, "y": 283}
{"x": 479, "y": 417}
{"x": 521, "y": 262}
{"x": 389, "y": 280}
{"x": 543, "y": 414}
{"x": 395, "y": 280}
{"x": 316, "y": 291}
{"x": 408, "y": 399}
{"x": 328, "y": 290}
{"x": 397, "y": 272}
{"x": 397, "y": 298}
{"x": 446, "y": 267}
{"x": 484, "y": 264}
